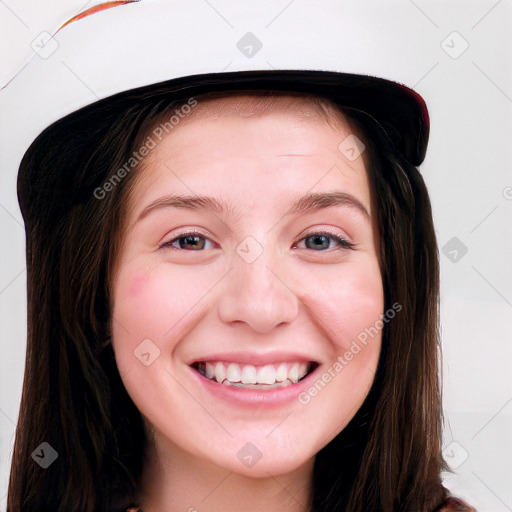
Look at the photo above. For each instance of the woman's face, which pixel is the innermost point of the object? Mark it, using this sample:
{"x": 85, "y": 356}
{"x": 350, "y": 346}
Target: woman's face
{"x": 248, "y": 296}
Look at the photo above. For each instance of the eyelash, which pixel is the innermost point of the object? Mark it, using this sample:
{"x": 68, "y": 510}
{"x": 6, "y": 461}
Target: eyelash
{"x": 342, "y": 242}
{"x": 186, "y": 234}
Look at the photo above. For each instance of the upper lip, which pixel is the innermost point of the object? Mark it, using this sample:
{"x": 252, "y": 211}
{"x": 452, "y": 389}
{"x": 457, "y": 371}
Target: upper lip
{"x": 254, "y": 358}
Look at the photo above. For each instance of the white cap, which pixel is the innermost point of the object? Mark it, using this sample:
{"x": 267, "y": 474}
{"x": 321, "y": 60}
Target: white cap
{"x": 132, "y": 44}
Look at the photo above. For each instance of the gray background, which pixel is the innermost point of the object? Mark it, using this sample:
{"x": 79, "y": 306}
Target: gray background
{"x": 464, "y": 54}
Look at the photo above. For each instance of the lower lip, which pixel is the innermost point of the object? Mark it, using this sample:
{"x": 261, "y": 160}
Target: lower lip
{"x": 273, "y": 397}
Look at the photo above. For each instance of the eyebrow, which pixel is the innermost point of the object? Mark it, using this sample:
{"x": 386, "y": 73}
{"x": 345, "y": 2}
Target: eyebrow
{"x": 185, "y": 202}
{"x": 305, "y": 204}
{"x": 318, "y": 201}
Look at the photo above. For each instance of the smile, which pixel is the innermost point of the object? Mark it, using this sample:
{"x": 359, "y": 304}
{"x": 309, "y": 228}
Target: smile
{"x": 250, "y": 376}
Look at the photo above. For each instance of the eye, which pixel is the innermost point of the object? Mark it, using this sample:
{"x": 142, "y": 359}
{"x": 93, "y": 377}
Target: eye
{"x": 189, "y": 242}
{"x": 323, "y": 241}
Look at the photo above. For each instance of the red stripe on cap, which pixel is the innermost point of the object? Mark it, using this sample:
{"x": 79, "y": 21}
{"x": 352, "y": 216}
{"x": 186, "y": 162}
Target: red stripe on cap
{"x": 95, "y": 9}
{"x": 421, "y": 103}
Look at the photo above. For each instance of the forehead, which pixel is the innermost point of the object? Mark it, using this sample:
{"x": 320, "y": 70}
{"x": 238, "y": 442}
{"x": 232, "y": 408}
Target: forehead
{"x": 280, "y": 142}
{"x": 251, "y": 104}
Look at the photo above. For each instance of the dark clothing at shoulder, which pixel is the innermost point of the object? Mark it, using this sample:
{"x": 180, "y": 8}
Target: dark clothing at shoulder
{"x": 453, "y": 504}
{"x": 450, "y": 504}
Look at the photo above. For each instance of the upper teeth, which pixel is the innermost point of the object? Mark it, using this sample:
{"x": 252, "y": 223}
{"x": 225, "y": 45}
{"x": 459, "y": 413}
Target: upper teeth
{"x": 232, "y": 373}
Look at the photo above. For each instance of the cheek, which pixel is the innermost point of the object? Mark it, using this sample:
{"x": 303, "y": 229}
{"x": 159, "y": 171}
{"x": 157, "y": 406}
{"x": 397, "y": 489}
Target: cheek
{"x": 137, "y": 284}
{"x": 346, "y": 301}
{"x": 156, "y": 305}
{"x": 347, "y": 305}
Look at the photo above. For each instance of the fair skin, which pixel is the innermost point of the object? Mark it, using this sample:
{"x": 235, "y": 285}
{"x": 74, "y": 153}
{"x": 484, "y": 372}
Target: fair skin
{"x": 288, "y": 301}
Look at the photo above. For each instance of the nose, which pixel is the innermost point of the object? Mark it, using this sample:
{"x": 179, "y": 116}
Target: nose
{"x": 257, "y": 294}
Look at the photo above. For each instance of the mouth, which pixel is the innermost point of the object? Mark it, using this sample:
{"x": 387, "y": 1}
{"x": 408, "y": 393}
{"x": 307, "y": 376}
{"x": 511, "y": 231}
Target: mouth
{"x": 269, "y": 376}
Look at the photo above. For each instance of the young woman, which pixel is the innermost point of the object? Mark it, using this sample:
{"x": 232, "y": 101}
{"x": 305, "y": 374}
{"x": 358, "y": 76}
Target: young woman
{"x": 233, "y": 293}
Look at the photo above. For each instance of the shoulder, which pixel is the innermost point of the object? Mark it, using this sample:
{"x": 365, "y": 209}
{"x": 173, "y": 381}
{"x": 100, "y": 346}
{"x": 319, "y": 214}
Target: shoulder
{"x": 453, "y": 504}
{"x": 450, "y": 504}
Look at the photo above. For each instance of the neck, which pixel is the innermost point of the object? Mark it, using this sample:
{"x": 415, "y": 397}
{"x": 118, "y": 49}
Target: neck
{"x": 176, "y": 481}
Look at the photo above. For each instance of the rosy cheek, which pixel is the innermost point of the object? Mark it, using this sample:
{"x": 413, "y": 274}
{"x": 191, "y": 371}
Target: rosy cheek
{"x": 137, "y": 284}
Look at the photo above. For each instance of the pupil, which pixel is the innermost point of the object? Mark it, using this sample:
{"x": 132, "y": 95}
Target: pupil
{"x": 317, "y": 242}
{"x": 195, "y": 242}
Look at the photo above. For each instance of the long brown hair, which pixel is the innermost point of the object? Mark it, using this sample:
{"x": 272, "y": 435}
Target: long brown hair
{"x": 388, "y": 458}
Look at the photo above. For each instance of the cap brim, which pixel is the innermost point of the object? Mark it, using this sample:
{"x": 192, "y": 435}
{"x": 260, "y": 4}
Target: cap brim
{"x": 399, "y": 112}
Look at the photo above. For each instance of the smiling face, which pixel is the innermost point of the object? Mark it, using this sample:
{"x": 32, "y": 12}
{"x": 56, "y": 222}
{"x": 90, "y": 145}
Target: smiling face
{"x": 248, "y": 270}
